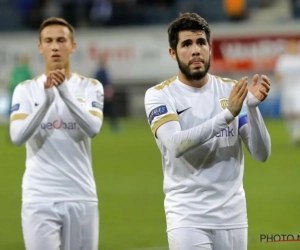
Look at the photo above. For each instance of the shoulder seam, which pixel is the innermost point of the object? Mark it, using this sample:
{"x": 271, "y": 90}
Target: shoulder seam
{"x": 80, "y": 76}
{"x": 226, "y": 80}
{"x": 31, "y": 80}
{"x": 165, "y": 83}
{"x": 37, "y": 77}
{"x": 91, "y": 80}
{"x": 27, "y": 81}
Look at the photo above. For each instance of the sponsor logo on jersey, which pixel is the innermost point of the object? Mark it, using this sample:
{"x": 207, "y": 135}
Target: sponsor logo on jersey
{"x": 227, "y": 132}
{"x": 157, "y": 112}
{"x": 59, "y": 124}
{"x": 181, "y": 111}
{"x": 15, "y": 107}
{"x": 224, "y": 103}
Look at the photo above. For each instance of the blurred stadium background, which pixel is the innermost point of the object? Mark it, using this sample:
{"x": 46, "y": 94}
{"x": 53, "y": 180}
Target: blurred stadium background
{"x": 248, "y": 36}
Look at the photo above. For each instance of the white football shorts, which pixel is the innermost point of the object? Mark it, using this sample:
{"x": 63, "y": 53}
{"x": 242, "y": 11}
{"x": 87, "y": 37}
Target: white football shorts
{"x": 61, "y": 225}
{"x": 204, "y": 239}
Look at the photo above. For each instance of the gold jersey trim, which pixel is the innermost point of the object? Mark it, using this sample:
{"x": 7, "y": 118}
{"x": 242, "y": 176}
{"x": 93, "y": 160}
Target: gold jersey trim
{"x": 165, "y": 83}
{"x": 163, "y": 120}
{"x": 18, "y": 117}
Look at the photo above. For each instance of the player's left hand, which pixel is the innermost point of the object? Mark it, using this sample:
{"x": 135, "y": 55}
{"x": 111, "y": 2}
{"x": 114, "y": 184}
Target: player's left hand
{"x": 58, "y": 76}
{"x": 260, "y": 91}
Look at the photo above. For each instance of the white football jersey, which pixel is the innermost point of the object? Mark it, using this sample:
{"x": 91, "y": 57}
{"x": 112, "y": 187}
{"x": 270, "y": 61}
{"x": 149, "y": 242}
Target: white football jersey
{"x": 58, "y": 159}
{"x": 288, "y": 67}
{"x": 203, "y": 187}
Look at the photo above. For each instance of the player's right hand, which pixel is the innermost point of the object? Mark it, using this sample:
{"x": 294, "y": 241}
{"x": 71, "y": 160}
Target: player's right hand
{"x": 237, "y": 96}
{"x": 49, "y": 83}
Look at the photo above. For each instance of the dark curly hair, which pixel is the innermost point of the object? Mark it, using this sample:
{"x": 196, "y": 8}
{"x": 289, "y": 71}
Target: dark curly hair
{"x": 187, "y": 22}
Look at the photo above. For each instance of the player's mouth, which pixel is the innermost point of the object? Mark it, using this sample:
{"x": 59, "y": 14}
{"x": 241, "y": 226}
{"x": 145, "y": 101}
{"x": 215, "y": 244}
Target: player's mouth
{"x": 197, "y": 62}
{"x": 55, "y": 57}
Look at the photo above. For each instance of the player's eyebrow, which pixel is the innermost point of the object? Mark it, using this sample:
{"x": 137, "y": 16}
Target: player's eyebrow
{"x": 186, "y": 41}
{"x": 201, "y": 39}
{"x": 54, "y": 38}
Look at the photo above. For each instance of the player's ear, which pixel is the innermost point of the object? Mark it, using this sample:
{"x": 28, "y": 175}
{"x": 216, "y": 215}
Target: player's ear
{"x": 74, "y": 46}
{"x": 40, "y": 48}
{"x": 173, "y": 54}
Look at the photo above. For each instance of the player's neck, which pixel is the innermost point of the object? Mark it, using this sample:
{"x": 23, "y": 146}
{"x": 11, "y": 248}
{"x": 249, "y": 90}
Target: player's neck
{"x": 191, "y": 83}
{"x": 68, "y": 72}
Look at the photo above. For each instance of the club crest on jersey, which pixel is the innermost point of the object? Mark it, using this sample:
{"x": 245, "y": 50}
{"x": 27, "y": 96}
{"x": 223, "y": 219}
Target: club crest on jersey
{"x": 224, "y": 102}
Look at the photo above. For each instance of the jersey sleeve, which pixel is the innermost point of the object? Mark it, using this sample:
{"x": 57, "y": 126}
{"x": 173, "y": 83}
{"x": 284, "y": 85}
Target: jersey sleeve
{"x": 89, "y": 118}
{"x": 21, "y": 106}
{"x": 164, "y": 123}
{"x": 23, "y": 120}
{"x": 254, "y": 133}
{"x": 159, "y": 109}
{"x": 95, "y": 98}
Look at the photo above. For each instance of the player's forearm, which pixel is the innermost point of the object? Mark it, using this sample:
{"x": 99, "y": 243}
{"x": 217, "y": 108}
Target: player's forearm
{"x": 179, "y": 142}
{"x": 89, "y": 122}
{"x": 257, "y": 138}
{"x": 22, "y": 127}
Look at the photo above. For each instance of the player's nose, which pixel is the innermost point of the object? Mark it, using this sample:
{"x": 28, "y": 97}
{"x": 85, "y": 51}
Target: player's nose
{"x": 196, "y": 53}
{"x": 195, "y": 50}
{"x": 54, "y": 46}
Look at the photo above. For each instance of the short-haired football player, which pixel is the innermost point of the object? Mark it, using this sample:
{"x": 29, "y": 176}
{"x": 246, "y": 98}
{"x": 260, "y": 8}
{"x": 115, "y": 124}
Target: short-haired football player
{"x": 199, "y": 122}
{"x": 56, "y": 115}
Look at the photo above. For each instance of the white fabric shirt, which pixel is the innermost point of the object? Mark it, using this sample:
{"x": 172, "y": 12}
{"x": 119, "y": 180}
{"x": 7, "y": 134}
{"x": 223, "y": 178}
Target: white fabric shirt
{"x": 201, "y": 147}
{"x": 288, "y": 66}
{"x": 56, "y": 124}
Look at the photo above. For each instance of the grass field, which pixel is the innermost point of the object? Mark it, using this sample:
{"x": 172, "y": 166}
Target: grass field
{"x": 128, "y": 172}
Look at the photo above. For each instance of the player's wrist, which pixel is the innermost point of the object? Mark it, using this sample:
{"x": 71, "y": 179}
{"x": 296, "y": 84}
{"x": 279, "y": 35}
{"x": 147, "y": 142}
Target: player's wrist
{"x": 63, "y": 88}
{"x": 50, "y": 96}
{"x": 252, "y": 101}
{"x": 229, "y": 117}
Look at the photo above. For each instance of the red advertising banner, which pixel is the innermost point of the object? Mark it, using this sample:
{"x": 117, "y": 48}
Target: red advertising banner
{"x": 251, "y": 53}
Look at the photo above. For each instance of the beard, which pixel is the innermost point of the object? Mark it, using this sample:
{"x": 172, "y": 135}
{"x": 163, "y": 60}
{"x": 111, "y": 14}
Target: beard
{"x": 193, "y": 76}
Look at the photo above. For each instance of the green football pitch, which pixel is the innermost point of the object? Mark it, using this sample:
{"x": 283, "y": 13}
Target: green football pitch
{"x": 129, "y": 178}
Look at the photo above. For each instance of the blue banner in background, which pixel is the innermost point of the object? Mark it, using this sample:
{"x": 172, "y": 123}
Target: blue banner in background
{"x": 270, "y": 108}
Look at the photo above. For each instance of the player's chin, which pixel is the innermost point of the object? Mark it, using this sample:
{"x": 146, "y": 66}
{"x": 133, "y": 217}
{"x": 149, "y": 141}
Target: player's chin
{"x": 56, "y": 65}
{"x": 197, "y": 70}
{"x": 197, "y": 74}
